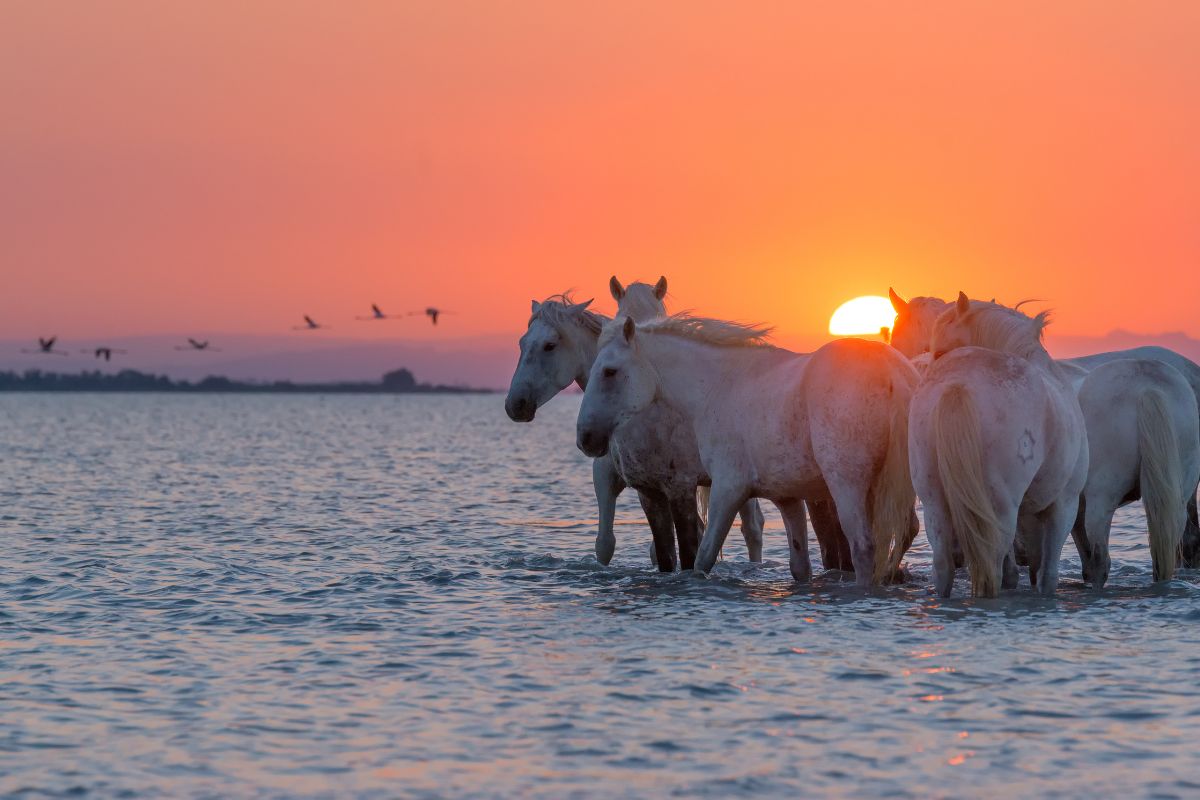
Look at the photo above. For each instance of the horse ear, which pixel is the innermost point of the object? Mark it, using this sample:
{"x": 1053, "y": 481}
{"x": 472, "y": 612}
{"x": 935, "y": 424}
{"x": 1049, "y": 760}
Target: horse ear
{"x": 536, "y": 306}
{"x": 660, "y": 288}
{"x": 579, "y": 308}
{"x": 899, "y": 304}
{"x": 964, "y": 303}
{"x": 628, "y": 329}
{"x": 614, "y": 286}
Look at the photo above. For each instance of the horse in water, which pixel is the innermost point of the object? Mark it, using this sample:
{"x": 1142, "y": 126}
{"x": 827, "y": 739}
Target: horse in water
{"x": 997, "y": 444}
{"x": 913, "y": 330}
{"x": 655, "y": 453}
{"x": 1144, "y": 440}
{"x": 557, "y": 349}
{"x": 770, "y": 423}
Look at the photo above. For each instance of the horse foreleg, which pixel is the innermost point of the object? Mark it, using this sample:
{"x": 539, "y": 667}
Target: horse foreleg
{"x": 608, "y": 486}
{"x": 658, "y": 514}
{"x": 1189, "y": 545}
{"x": 835, "y": 550}
{"x": 1097, "y": 523}
{"x": 1080, "y": 537}
{"x": 687, "y": 527}
{"x": 723, "y": 504}
{"x": 1054, "y": 526}
{"x": 752, "y": 529}
{"x": 797, "y": 532}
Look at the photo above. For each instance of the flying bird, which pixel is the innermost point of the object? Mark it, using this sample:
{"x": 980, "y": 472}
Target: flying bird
{"x": 104, "y": 352}
{"x": 431, "y": 312}
{"x": 46, "y": 346}
{"x": 197, "y": 345}
{"x": 376, "y": 313}
{"x": 310, "y": 324}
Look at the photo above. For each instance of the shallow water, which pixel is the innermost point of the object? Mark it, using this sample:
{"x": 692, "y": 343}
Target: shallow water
{"x": 395, "y": 596}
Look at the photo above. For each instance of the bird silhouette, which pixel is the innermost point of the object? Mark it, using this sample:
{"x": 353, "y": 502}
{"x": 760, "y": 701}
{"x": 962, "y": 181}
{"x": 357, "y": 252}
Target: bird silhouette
{"x": 104, "y": 352}
{"x": 193, "y": 344}
{"x": 376, "y": 313}
{"x": 431, "y": 312}
{"x": 310, "y": 324}
{"x": 46, "y": 347}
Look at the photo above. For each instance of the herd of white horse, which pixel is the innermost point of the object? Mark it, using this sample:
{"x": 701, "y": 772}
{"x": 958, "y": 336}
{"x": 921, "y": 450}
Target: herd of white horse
{"x": 1009, "y": 449}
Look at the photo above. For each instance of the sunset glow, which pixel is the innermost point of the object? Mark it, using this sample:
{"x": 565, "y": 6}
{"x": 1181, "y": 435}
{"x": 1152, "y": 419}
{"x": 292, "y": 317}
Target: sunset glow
{"x": 171, "y": 168}
{"x": 862, "y": 316}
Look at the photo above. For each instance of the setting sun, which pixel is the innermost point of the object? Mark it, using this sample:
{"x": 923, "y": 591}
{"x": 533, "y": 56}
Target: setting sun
{"x": 862, "y": 316}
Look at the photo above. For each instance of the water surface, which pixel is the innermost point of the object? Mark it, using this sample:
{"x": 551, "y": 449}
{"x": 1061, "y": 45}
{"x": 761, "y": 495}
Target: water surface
{"x": 270, "y": 596}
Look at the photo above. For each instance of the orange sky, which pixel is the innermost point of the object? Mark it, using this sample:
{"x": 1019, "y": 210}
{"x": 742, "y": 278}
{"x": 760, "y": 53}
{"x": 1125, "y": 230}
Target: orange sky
{"x": 232, "y": 165}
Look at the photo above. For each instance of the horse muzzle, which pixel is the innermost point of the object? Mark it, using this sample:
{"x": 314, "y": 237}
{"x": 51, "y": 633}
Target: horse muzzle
{"x": 520, "y": 409}
{"x": 592, "y": 443}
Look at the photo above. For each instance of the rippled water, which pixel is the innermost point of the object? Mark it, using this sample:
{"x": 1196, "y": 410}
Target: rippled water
{"x": 395, "y": 596}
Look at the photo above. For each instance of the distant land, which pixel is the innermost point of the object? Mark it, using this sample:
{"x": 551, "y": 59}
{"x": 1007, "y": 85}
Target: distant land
{"x": 485, "y": 361}
{"x": 399, "y": 381}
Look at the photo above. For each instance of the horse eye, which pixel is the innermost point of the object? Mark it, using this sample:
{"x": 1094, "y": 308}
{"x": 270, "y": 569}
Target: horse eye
{"x": 548, "y": 346}
{"x": 610, "y": 372}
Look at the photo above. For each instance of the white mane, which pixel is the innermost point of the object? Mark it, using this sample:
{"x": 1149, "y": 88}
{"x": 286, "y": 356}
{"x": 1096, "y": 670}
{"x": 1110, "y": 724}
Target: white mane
{"x": 1006, "y": 329}
{"x": 556, "y": 311}
{"x": 720, "y": 333}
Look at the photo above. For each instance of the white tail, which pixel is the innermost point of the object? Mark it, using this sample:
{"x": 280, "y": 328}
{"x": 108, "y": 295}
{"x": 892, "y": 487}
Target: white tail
{"x": 892, "y": 493}
{"x": 702, "y": 495}
{"x": 1160, "y": 478}
{"x": 959, "y": 447}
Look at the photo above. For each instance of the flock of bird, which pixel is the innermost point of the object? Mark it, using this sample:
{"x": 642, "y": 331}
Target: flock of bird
{"x": 46, "y": 345}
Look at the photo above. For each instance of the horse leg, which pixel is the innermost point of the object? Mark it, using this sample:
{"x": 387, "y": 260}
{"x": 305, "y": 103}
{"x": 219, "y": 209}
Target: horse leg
{"x": 1080, "y": 537}
{"x": 1021, "y": 551}
{"x": 1011, "y": 576}
{"x": 1097, "y": 522}
{"x": 835, "y": 550}
{"x": 797, "y": 531}
{"x": 1189, "y": 545}
{"x": 687, "y": 527}
{"x": 608, "y": 485}
{"x": 723, "y": 504}
{"x": 658, "y": 514}
{"x": 1054, "y": 526}
{"x": 851, "y": 502}
{"x": 940, "y": 533}
{"x": 752, "y": 529}
{"x": 1029, "y": 531}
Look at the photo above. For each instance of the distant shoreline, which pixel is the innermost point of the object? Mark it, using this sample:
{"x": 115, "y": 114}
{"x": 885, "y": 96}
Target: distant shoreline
{"x": 397, "y": 382}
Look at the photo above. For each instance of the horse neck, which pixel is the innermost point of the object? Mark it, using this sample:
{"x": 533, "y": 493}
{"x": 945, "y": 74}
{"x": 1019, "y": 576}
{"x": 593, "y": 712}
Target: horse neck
{"x": 690, "y": 371}
{"x": 584, "y": 343}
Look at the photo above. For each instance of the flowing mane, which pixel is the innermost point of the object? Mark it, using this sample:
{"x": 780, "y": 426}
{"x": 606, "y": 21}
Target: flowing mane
{"x": 1006, "y": 329}
{"x": 556, "y": 310}
{"x": 717, "y": 332}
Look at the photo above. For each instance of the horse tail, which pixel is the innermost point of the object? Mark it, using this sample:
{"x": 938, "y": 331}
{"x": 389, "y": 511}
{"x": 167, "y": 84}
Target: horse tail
{"x": 959, "y": 446}
{"x": 703, "y": 493}
{"x": 892, "y": 494}
{"x": 1160, "y": 477}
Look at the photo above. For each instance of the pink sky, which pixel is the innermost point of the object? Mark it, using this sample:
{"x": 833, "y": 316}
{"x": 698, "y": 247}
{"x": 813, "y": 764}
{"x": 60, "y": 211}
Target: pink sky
{"x": 210, "y": 166}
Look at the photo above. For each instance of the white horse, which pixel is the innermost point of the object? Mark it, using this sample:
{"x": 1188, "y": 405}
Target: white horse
{"x": 1144, "y": 439}
{"x": 911, "y": 335}
{"x": 997, "y": 442}
{"x": 557, "y": 349}
{"x": 655, "y": 453}
{"x": 770, "y": 423}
